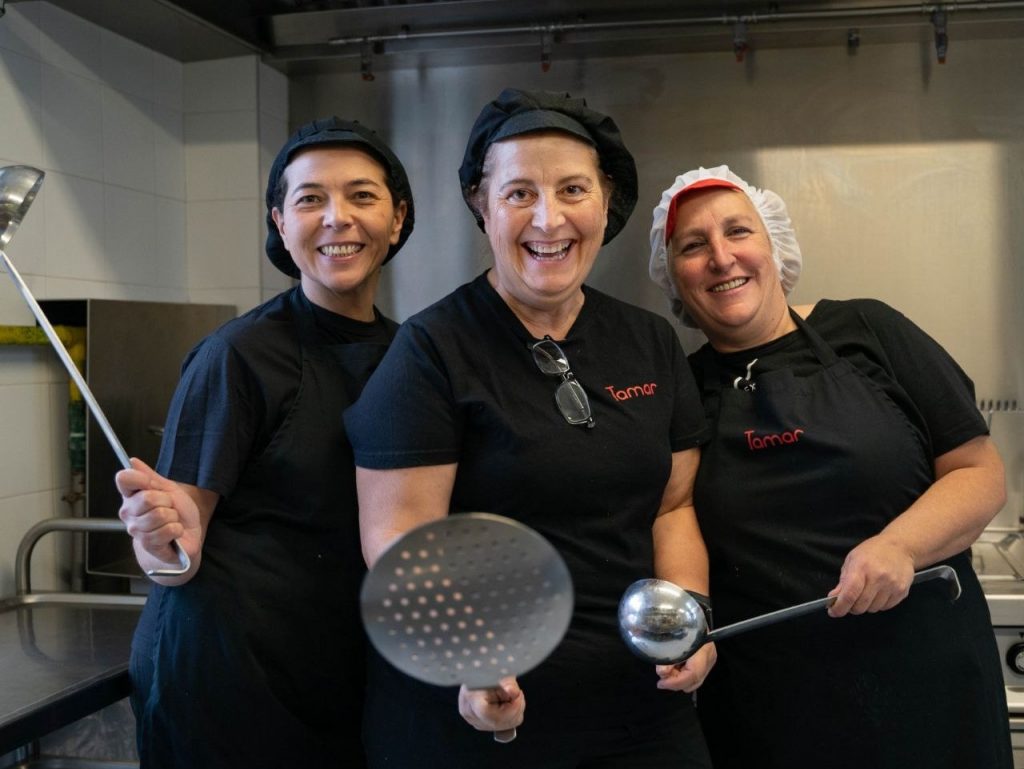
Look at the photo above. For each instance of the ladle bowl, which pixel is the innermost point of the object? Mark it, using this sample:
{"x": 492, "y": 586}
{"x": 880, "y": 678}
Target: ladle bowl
{"x": 660, "y": 622}
{"x": 19, "y": 185}
{"x": 663, "y": 624}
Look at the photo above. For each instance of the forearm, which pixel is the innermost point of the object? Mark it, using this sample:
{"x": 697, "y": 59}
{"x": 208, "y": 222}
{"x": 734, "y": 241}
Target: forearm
{"x": 392, "y": 502}
{"x": 950, "y": 515}
{"x": 679, "y": 552}
{"x": 681, "y": 558}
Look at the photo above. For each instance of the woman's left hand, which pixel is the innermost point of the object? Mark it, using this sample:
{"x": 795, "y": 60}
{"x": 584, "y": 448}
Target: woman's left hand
{"x": 876, "y": 576}
{"x": 689, "y": 675}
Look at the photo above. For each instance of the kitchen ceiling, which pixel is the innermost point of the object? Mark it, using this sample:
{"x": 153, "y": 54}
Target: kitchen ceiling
{"x": 310, "y": 36}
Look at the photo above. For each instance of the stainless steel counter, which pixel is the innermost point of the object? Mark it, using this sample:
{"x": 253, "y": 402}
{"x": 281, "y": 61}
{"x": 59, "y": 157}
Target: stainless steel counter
{"x": 59, "y": 661}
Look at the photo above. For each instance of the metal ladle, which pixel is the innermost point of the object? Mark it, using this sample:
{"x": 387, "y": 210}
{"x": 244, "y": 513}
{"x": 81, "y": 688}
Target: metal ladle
{"x": 18, "y": 188}
{"x": 662, "y": 623}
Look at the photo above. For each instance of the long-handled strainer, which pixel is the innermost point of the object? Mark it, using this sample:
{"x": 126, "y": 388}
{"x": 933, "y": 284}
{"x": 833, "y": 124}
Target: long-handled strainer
{"x": 662, "y": 623}
{"x": 468, "y": 599}
{"x": 18, "y": 188}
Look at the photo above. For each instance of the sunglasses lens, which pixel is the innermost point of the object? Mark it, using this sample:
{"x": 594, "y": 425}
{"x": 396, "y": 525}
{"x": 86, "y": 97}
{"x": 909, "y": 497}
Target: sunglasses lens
{"x": 573, "y": 402}
{"x": 549, "y": 358}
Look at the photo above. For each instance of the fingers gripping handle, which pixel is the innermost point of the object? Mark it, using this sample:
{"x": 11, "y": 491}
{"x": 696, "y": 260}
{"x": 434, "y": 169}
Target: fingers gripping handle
{"x": 184, "y": 563}
{"x": 504, "y": 736}
{"x": 943, "y": 572}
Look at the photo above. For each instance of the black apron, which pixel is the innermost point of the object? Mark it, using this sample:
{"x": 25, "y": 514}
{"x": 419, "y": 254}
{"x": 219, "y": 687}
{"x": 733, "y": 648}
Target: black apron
{"x": 800, "y": 470}
{"x": 259, "y": 660}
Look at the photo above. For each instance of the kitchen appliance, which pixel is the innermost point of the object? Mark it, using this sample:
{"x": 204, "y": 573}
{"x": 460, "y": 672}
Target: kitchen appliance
{"x": 468, "y": 599}
{"x": 998, "y": 560}
{"x": 136, "y": 391}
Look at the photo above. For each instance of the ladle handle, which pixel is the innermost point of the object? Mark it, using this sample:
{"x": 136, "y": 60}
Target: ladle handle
{"x": 101, "y": 418}
{"x": 935, "y": 572}
{"x": 69, "y": 364}
{"x": 763, "y": 620}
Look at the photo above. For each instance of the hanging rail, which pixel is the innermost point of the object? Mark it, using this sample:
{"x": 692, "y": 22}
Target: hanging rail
{"x": 925, "y": 10}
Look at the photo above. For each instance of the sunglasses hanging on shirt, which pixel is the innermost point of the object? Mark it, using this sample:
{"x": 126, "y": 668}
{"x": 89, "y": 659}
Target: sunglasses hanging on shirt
{"x": 570, "y": 397}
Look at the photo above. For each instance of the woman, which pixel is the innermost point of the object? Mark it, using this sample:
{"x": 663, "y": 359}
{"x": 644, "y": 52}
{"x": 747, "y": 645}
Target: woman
{"x": 460, "y": 417}
{"x": 255, "y": 657}
{"x": 847, "y": 454}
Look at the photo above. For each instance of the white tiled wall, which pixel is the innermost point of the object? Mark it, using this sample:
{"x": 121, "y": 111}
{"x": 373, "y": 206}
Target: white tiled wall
{"x": 235, "y": 117}
{"x": 153, "y": 191}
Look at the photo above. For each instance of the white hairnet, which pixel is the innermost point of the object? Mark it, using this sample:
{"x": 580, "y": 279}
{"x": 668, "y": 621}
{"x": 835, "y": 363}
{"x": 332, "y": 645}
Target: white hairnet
{"x": 769, "y": 206}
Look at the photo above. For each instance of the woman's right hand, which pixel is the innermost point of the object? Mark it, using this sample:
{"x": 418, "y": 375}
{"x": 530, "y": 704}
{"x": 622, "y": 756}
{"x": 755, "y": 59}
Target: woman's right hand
{"x": 157, "y": 512}
{"x": 493, "y": 710}
{"x": 688, "y": 676}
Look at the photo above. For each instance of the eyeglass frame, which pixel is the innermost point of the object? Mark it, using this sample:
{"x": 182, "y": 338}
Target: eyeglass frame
{"x": 569, "y": 383}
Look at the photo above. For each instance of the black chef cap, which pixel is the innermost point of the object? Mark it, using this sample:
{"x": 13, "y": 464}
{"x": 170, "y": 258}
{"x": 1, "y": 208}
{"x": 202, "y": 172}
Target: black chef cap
{"x": 333, "y": 130}
{"x": 517, "y": 112}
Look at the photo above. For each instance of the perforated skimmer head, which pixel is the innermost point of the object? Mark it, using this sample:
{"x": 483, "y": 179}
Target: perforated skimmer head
{"x": 468, "y": 599}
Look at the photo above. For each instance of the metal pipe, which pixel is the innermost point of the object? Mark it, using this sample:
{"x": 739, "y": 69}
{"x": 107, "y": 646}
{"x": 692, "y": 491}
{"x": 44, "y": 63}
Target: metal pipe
{"x": 23, "y": 559}
{"x": 923, "y": 9}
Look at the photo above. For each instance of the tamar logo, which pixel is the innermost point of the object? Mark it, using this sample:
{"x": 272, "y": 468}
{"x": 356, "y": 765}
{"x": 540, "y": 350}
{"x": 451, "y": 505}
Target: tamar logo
{"x": 635, "y": 391}
{"x": 772, "y": 440}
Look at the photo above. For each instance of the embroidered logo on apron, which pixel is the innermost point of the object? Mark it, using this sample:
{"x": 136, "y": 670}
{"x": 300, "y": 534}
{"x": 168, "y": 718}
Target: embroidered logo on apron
{"x": 772, "y": 440}
{"x": 633, "y": 391}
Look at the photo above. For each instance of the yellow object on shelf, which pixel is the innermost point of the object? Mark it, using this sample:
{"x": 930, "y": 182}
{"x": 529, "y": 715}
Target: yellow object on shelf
{"x": 73, "y": 338}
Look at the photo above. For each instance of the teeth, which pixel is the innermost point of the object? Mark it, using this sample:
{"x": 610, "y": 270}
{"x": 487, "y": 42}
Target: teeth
{"x": 346, "y": 250}
{"x": 734, "y": 283}
{"x": 550, "y": 249}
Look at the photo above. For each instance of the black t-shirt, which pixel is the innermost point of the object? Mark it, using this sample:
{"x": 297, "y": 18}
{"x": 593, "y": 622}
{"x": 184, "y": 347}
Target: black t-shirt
{"x": 911, "y": 367}
{"x": 268, "y": 628}
{"x": 459, "y": 384}
{"x": 238, "y": 384}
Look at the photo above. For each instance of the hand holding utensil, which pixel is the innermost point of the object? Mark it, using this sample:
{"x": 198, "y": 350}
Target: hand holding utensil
{"x": 468, "y": 599}
{"x": 18, "y": 188}
{"x": 662, "y": 623}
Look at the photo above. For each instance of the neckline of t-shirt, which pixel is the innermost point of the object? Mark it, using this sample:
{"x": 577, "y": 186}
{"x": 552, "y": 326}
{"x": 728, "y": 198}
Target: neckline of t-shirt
{"x": 349, "y": 329}
{"x": 495, "y": 300}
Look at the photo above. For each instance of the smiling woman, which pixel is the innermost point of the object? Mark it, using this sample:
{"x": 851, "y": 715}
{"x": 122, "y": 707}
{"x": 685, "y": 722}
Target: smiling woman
{"x": 256, "y": 479}
{"x": 545, "y": 212}
{"x": 338, "y": 221}
{"x": 499, "y": 398}
{"x": 721, "y": 262}
{"x": 847, "y": 454}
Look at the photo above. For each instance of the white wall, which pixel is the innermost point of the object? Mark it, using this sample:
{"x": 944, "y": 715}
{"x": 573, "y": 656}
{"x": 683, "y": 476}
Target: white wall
{"x": 153, "y": 191}
{"x": 236, "y": 118}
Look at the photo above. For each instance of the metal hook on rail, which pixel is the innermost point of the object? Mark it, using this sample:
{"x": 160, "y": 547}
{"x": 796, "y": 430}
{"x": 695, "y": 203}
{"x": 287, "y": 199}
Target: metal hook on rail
{"x": 941, "y": 34}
